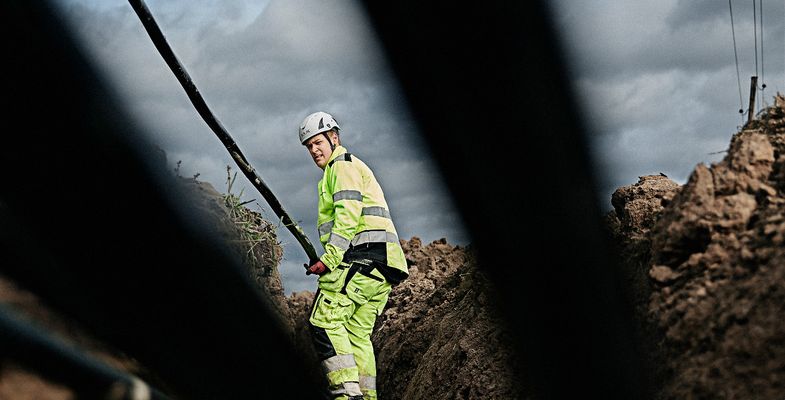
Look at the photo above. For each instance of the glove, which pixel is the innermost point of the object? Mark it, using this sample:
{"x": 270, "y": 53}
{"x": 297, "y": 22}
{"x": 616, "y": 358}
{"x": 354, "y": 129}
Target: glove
{"x": 317, "y": 268}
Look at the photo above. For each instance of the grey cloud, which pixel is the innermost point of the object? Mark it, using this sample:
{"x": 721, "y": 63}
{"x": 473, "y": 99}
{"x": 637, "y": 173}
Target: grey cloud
{"x": 612, "y": 40}
{"x": 657, "y": 81}
{"x": 673, "y": 123}
{"x": 688, "y": 12}
{"x": 261, "y": 76}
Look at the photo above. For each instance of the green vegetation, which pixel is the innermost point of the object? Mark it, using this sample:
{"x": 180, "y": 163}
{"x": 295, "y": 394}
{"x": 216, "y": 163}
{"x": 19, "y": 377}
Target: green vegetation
{"x": 256, "y": 233}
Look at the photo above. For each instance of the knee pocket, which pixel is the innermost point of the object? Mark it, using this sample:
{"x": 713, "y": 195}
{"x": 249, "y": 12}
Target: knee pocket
{"x": 331, "y": 310}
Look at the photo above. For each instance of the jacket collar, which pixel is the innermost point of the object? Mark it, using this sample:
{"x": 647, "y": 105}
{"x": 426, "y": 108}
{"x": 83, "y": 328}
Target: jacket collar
{"x": 337, "y": 152}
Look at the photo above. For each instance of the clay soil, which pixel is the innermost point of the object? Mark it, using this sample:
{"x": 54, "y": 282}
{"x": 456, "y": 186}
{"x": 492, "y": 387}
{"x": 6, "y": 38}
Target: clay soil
{"x": 706, "y": 265}
{"x": 440, "y": 336}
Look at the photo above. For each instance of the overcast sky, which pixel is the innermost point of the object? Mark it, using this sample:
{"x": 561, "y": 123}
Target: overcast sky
{"x": 657, "y": 80}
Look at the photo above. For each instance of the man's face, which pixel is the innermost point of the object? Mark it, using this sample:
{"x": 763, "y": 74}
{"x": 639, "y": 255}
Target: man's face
{"x": 320, "y": 149}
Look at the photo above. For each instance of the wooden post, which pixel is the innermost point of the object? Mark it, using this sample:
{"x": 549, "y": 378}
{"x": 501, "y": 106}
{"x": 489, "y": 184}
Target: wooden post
{"x": 753, "y": 89}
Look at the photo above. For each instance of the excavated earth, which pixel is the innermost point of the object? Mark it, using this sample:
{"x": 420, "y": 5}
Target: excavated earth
{"x": 706, "y": 266}
{"x": 440, "y": 336}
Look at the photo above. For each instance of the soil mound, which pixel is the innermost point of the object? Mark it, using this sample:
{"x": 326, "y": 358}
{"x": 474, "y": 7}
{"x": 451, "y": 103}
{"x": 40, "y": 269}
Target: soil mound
{"x": 712, "y": 258}
{"x": 440, "y": 336}
{"x": 250, "y": 237}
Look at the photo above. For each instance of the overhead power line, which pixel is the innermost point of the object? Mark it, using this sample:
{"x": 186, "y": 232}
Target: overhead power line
{"x": 762, "y": 63}
{"x": 755, "y": 34}
{"x": 736, "y": 56}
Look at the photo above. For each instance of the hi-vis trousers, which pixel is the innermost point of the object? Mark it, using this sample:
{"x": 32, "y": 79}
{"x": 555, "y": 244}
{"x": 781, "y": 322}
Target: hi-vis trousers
{"x": 344, "y": 311}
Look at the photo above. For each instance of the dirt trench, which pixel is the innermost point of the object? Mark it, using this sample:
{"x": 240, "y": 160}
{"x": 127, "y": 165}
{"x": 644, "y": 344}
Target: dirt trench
{"x": 706, "y": 265}
{"x": 440, "y": 336}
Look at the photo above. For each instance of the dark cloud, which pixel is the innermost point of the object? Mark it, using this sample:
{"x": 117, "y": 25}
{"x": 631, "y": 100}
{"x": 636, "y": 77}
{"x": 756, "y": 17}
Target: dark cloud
{"x": 612, "y": 40}
{"x": 262, "y": 73}
{"x": 691, "y": 12}
{"x": 657, "y": 81}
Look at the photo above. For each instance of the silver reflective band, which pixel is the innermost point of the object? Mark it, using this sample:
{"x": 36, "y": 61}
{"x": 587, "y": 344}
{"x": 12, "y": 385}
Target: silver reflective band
{"x": 325, "y": 228}
{"x": 348, "y": 388}
{"x": 341, "y": 361}
{"x": 348, "y": 195}
{"x": 339, "y": 241}
{"x": 342, "y": 157}
{"x": 352, "y": 389}
{"x": 377, "y": 211}
{"x": 367, "y": 382}
{"x": 374, "y": 237}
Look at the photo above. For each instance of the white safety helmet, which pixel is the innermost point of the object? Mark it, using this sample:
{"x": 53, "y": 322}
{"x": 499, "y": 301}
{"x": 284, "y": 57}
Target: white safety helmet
{"x": 316, "y": 123}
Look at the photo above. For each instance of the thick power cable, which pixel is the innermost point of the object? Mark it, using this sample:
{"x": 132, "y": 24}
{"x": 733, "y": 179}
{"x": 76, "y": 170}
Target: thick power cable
{"x": 736, "y": 57}
{"x": 201, "y": 106}
{"x": 52, "y": 358}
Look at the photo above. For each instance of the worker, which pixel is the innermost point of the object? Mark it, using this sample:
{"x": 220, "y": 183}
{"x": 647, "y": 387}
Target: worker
{"x": 362, "y": 260}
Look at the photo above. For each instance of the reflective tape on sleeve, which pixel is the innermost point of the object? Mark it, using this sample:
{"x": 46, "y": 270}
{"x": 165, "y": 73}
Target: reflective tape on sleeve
{"x": 339, "y": 241}
{"x": 377, "y": 211}
{"x": 340, "y": 361}
{"x": 374, "y": 237}
{"x": 367, "y": 382}
{"x": 325, "y": 228}
{"x": 348, "y": 195}
{"x": 349, "y": 388}
{"x": 352, "y": 389}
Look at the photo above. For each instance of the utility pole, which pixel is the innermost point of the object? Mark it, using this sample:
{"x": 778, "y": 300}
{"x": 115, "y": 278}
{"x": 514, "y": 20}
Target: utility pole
{"x": 753, "y": 89}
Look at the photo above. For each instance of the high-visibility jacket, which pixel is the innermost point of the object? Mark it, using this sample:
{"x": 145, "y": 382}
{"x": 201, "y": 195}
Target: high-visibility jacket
{"x": 354, "y": 221}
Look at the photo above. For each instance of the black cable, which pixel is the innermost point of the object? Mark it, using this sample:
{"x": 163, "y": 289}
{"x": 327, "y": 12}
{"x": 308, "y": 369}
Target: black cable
{"x": 159, "y": 40}
{"x": 736, "y": 56}
{"x": 43, "y": 353}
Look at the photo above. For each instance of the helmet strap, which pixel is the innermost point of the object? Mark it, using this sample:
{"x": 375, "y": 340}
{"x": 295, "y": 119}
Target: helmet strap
{"x": 329, "y": 140}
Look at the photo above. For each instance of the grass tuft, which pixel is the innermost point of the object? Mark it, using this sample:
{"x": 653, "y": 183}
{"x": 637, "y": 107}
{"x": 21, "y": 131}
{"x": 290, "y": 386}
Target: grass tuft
{"x": 254, "y": 229}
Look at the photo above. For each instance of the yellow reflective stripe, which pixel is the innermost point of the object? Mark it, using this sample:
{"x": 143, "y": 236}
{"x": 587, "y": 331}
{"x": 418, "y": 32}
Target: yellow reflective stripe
{"x": 348, "y": 195}
{"x": 325, "y": 228}
{"x": 374, "y": 237}
{"x": 377, "y": 211}
{"x": 339, "y": 241}
{"x": 340, "y": 361}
